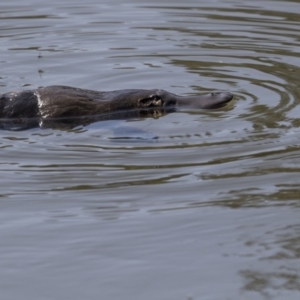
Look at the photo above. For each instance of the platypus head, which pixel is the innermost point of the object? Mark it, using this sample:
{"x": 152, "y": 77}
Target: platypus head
{"x": 161, "y": 98}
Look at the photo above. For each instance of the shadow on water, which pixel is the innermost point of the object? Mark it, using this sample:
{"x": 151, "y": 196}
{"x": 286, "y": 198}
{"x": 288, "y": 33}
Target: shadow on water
{"x": 68, "y": 123}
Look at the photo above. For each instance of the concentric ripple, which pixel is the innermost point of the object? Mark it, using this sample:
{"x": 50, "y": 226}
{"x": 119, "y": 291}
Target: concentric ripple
{"x": 251, "y": 51}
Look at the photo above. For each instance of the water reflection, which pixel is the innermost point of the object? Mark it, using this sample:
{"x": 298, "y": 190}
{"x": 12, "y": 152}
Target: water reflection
{"x": 285, "y": 278}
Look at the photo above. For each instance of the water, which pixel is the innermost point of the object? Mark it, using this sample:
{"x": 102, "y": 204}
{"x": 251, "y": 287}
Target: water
{"x": 192, "y": 205}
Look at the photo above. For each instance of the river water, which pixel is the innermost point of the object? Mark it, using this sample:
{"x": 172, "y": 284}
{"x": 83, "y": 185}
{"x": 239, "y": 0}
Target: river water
{"x": 191, "y": 205}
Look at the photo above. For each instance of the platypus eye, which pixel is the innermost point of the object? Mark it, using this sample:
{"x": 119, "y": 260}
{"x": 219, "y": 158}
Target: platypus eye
{"x": 152, "y": 100}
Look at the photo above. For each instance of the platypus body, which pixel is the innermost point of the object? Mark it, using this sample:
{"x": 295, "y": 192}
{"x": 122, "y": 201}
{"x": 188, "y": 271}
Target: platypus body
{"x": 53, "y": 105}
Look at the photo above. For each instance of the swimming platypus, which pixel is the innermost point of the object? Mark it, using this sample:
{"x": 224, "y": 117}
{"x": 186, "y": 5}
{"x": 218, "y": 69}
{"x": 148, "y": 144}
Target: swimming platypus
{"x": 62, "y": 102}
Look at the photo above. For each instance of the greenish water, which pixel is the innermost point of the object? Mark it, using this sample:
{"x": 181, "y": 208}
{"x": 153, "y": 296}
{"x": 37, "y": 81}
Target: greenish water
{"x": 192, "y": 205}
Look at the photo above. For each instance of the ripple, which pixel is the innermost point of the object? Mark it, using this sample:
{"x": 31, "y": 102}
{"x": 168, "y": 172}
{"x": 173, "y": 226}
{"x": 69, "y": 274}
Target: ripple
{"x": 187, "y": 49}
{"x": 194, "y": 194}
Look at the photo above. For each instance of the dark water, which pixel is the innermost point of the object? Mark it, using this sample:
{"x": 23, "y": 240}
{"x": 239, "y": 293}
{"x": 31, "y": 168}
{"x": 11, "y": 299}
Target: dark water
{"x": 192, "y": 205}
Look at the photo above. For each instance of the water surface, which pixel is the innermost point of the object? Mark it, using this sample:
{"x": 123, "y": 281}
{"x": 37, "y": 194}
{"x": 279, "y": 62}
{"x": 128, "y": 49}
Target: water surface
{"x": 191, "y": 205}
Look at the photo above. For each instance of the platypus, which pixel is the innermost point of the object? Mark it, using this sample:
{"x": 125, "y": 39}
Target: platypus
{"x": 47, "y": 104}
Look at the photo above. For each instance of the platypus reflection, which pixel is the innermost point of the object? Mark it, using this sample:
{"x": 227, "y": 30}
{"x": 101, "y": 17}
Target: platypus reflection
{"x": 49, "y": 104}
